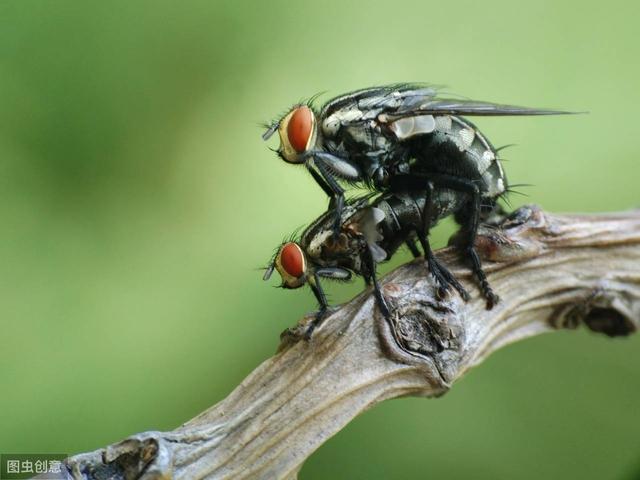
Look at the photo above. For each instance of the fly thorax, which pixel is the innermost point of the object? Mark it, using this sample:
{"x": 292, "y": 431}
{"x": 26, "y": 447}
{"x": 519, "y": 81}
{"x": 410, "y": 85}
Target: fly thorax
{"x": 316, "y": 245}
{"x": 332, "y": 124}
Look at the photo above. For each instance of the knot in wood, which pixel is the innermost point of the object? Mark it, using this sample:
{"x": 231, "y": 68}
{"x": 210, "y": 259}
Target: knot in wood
{"x": 425, "y": 330}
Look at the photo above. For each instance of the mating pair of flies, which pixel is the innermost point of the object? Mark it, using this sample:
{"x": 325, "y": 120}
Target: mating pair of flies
{"x": 421, "y": 161}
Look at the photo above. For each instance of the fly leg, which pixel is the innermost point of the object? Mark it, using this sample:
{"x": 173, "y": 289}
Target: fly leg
{"x": 337, "y": 194}
{"x": 411, "y": 245}
{"x": 329, "y": 167}
{"x": 443, "y": 276}
{"x": 470, "y": 226}
{"x": 369, "y": 273}
{"x": 323, "y": 184}
{"x": 316, "y": 287}
{"x": 418, "y": 181}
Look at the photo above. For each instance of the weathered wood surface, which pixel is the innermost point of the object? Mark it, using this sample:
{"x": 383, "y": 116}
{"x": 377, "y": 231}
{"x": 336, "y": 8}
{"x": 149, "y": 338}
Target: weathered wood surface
{"x": 551, "y": 271}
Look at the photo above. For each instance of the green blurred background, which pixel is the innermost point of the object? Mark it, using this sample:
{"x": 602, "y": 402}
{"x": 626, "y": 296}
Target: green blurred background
{"x": 138, "y": 200}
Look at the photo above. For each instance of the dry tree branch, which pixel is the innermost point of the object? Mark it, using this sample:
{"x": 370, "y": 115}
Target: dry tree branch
{"x": 552, "y": 271}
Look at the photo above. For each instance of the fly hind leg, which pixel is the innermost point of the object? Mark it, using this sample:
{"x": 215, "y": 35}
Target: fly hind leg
{"x": 411, "y": 245}
{"x": 442, "y": 275}
{"x": 470, "y": 220}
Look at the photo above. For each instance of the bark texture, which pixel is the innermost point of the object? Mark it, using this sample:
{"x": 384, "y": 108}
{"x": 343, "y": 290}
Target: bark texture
{"x": 551, "y": 271}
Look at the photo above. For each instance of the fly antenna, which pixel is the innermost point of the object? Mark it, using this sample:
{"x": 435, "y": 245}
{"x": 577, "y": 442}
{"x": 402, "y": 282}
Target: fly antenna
{"x": 268, "y": 272}
{"x": 270, "y": 131}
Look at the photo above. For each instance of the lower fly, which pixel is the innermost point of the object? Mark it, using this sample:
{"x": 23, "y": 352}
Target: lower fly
{"x": 371, "y": 231}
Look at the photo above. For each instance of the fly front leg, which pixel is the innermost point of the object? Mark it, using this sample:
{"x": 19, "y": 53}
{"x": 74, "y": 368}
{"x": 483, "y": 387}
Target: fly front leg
{"x": 333, "y": 273}
{"x": 330, "y": 185}
{"x": 323, "y": 184}
{"x": 329, "y": 168}
{"x": 323, "y": 311}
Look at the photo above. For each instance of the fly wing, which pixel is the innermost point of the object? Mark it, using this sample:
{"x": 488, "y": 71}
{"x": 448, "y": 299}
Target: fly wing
{"x": 445, "y": 106}
{"x": 356, "y": 111}
{"x": 365, "y": 223}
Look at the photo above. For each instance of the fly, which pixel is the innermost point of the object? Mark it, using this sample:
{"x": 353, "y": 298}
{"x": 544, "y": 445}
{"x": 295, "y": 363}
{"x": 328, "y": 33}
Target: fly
{"x": 370, "y": 233}
{"x": 397, "y": 138}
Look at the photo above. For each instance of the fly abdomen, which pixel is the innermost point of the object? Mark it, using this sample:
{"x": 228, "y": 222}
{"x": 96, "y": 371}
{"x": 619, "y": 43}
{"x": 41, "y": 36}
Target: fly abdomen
{"x": 458, "y": 148}
{"x": 403, "y": 214}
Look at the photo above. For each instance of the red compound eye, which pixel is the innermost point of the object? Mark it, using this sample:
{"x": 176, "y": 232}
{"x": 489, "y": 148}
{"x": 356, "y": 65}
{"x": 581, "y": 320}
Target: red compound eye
{"x": 299, "y": 128}
{"x": 292, "y": 259}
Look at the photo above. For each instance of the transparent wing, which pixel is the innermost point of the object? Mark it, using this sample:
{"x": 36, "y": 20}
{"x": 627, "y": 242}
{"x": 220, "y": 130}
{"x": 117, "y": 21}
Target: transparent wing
{"x": 444, "y": 106}
{"x": 392, "y": 102}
